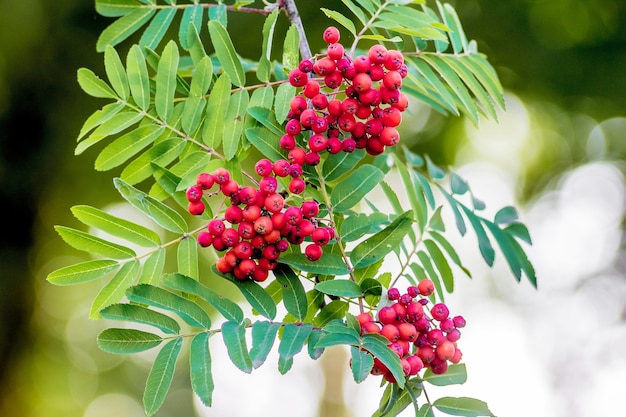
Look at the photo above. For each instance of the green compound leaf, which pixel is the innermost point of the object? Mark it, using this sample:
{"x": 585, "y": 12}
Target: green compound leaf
{"x": 93, "y": 85}
{"x": 234, "y": 335}
{"x": 229, "y": 309}
{"x": 82, "y": 272}
{"x": 456, "y": 374}
{"x": 294, "y": 296}
{"x": 377, "y": 246}
{"x": 123, "y": 341}
{"x": 166, "y": 81}
{"x": 114, "y": 290}
{"x": 350, "y": 192}
{"x": 226, "y": 54}
{"x": 328, "y": 264}
{"x": 361, "y": 364}
{"x": 200, "y": 368}
{"x": 294, "y": 338}
{"x": 122, "y": 28}
{"x": 340, "y": 288}
{"x": 140, "y": 314}
{"x": 263, "y": 337}
{"x": 189, "y": 311}
{"x": 462, "y": 406}
{"x": 160, "y": 376}
{"x": 163, "y": 215}
{"x": 84, "y": 241}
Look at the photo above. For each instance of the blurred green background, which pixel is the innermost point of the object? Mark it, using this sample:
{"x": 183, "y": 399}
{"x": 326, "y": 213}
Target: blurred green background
{"x": 564, "y": 60}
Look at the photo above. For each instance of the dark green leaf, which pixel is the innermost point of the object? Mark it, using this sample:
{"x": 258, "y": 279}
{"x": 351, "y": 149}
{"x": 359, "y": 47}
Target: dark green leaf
{"x": 200, "y": 368}
{"x": 484, "y": 244}
{"x": 314, "y": 353}
{"x": 294, "y": 296}
{"x": 266, "y": 142}
{"x": 506, "y": 216}
{"x": 350, "y": 192}
{"x": 294, "y": 338}
{"x": 443, "y": 242}
{"x": 189, "y": 311}
{"x": 82, "y": 272}
{"x": 383, "y": 242}
{"x": 380, "y": 350}
{"x": 519, "y": 230}
{"x": 441, "y": 263}
{"x": 234, "y": 335}
{"x": 361, "y": 364}
{"x": 122, "y": 341}
{"x": 334, "y": 339}
{"x": 263, "y": 336}
{"x": 456, "y": 374}
{"x": 458, "y": 185}
{"x": 256, "y": 295}
{"x": 160, "y": 376}
{"x": 140, "y": 314}
{"x": 340, "y": 288}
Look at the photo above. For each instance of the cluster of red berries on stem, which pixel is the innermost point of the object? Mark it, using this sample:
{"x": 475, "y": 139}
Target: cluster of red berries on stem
{"x": 421, "y": 337}
{"x": 345, "y": 103}
{"x": 257, "y": 226}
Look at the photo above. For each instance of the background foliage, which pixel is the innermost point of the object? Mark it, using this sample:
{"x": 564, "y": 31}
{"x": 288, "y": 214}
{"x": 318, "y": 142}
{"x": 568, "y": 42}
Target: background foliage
{"x": 563, "y": 59}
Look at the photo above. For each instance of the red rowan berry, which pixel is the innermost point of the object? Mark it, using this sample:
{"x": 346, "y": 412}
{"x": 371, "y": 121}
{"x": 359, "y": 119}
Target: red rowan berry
{"x": 233, "y": 214}
{"x": 196, "y": 208}
{"x": 305, "y": 65}
{"x": 312, "y": 159}
{"x": 205, "y": 239}
{"x": 391, "y": 332}
{"x": 393, "y": 294}
{"x": 311, "y": 89}
{"x": 362, "y": 63}
{"x": 194, "y": 193}
{"x": 282, "y": 167}
{"x": 205, "y": 180}
{"x": 320, "y": 236}
{"x": 324, "y": 66}
{"x": 298, "y": 78}
{"x": 439, "y": 312}
{"x": 313, "y": 252}
{"x": 216, "y": 227}
{"x": 251, "y": 213}
{"x": 331, "y": 35}
{"x": 393, "y": 60}
{"x": 317, "y": 143}
{"x": 263, "y": 225}
{"x": 426, "y": 287}
{"x": 221, "y": 175}
{"x": 333, "y": 80}
{"x": 335, "y": 51}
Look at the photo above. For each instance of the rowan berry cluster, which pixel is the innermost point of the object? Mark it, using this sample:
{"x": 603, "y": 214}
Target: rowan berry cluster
{"x": 421, "y": 337}
{"x": 345, "y": 103}
{"x": 257, "y": 226}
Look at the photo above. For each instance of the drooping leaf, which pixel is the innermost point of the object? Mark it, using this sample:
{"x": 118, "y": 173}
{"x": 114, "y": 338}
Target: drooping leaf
{"x": 263, "y": 337}
{"x": 123, "y": 341}
{"x": 361, "y": 364}
{"x": 447, "y": 246}
{"x": 441, "y": 263}
{"x": 506, "y": 215}
{"x": 229, "y": 309}
{"x": 189, "y": 311}
{"x": 377, "y": 246}
{"x": 140, "y": 314}
{"x": 380, "y": 350}
{"x": 82, "y": 272}
{"x": 226, "y": 54}
{"x": 235, "y": 341}
{"x": 200, "y": 368}
{"x": 350, "y": 192}
{"x": 484, "y": 245}
{"x": 341, "y": 19}
{"x": 256, "y": 295}
{"x": 160, "y": 376}
{"x": 89, "y": 243}
{"x": 114, "y": 290}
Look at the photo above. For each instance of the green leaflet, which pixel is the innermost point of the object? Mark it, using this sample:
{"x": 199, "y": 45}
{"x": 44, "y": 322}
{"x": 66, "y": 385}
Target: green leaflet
{"x": 361, "y": 364}
{"x": 441, "y": 263}
{"x": 340, "y": 164}
{"x": 82, "y": 272}
{"x": 157, "y": 28}
{"x": 138, "y": 77}
{"x": 284, "y": 93}
{"x": 192, "y": 15}
{"x": 166, "y": 81}
{"x": 350, "y": 192}
{"x": 115, "y": 124}
{"x": 294, "y": 338}
{"x": 92, "y": 244}
{"x": 358, "y": 225}
{"x": 341, "y": 19}
{"x": 122, "y": 28}
{"x": 340, "y": 288}
{"x": 328, "y": 264}
{"x": 114, "y": 290}
{"x": 235, "y": 341}
{"x": 200, "y": 368}
{"x": 229, "y": 309}
{"x": 462, "y": 406}
{"x": 140, "y": 314}
{"x": 153, "y": 268}
{"x": 123, "y": 341}
{"x": 225, "y": 51}
{"x": 263, "y": 69}
{"x": 157, "y": 211}
{"x": 94, "y": 85}
{"x": 456, "y": 374}
{"x": 115, "y": 72}
{"x": 257, "y": 296}
{"x": 291, "y": 51}
{"x": 235, "y": 117}
{"x": 99, "y": 117}
{"x": 377, "y": 246}
{"x": 294, "y": 296}
{"x": 265, "y": 142}
{"x": 160, "y": 376}
{"x": 187, "y": 257}
{"x": 379, "y": 349}
{"x": 116, "y": 226}
{"x": 265, "y": 116}
{"x": 263, "y": 337}
{"x": 127, "y": 146}
{"x": 162, "y": 153}
{"x": 189, "y": 311}
{"x": 216, "y": 109}
{"x": 116, "y": 8}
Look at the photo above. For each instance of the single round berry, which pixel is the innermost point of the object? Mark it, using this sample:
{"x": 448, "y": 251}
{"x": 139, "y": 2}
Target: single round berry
{"x": 205, "y": 239}
{"x": 313, "y": 252}
{"x": 393, "y": 294}
{"x": 331, "y": 35}
{"x": 439, "y": 312}
{"x": 426, "y": 287}
{"x": 196, "y": 208}
{"x": 205, "y": 180}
